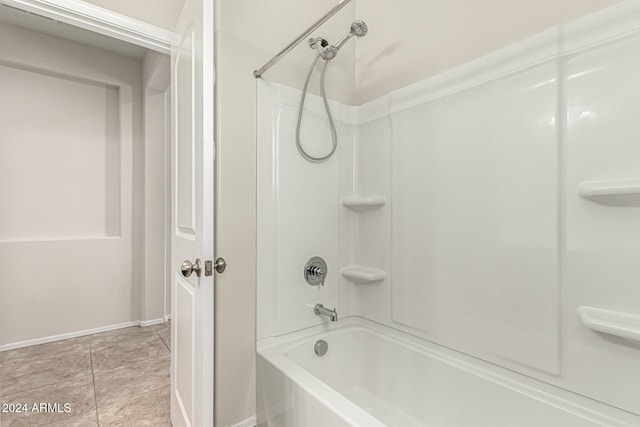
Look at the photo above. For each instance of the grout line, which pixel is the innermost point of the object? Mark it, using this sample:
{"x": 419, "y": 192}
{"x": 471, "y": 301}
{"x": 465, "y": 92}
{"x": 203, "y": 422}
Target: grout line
{"x": 162, "y": 339}
{"x": 93, "y": 378}
{"x": 165, "y": 343}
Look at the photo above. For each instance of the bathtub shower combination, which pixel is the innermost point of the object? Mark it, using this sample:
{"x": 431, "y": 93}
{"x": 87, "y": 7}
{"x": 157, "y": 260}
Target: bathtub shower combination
{"x": 459, "y": 252}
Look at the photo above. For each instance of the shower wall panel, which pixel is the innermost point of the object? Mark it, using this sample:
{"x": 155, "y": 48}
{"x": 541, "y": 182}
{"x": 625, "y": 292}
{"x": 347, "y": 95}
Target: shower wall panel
{"x": 299, "y": 208}
{"x": 475, "y": 213}
{"x": 496, "y": 247}
{"x": 366, "y": 231}
{"x": 603, "y": 236}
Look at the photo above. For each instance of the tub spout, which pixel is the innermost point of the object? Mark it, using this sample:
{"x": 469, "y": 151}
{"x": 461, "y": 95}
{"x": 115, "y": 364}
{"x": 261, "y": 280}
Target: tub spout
{"x": 320, "y": 309}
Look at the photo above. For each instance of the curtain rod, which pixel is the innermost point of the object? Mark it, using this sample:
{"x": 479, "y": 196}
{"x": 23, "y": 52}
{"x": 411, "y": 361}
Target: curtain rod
{"x": 259, "y": 72}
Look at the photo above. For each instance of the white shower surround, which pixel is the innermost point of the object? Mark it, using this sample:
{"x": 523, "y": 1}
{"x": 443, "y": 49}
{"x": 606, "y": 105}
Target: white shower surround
{"x": 540, "y": 250}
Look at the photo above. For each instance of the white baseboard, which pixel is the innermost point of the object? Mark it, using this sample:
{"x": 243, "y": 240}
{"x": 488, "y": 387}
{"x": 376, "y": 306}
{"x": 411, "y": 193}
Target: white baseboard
{"x": 249, "y": 422}
{"x": 152, "y": 322}
{"x": 60, "y": 337}
{"x": 167, "y": 317}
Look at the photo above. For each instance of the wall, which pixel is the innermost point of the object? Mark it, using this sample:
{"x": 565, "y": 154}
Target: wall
{"x": 470, "y": 213}
{"x": 162, "y": 13}
{"x": 418, "y": 38}
{"x": 55, "y": 278}
{"x": 77, "y": 205}
{"x": 248, "y": 33}
{"x": 156, "y": 77}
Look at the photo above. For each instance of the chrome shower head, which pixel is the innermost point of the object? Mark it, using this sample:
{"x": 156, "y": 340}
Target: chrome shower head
{"x": 359, "y": 28}
{"x": 328, "y": 53}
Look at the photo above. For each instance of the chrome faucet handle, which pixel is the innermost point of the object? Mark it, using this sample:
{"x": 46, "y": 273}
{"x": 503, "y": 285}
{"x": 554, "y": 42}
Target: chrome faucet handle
{"x": 315, "y": 271}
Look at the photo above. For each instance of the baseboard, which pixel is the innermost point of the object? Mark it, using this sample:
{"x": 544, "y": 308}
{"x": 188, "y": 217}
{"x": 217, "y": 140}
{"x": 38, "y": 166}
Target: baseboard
{"x": 167, "y": 317}
{"x": 76, "y": 334}
{"x": 249, "y": 422}
{"x": 152, "y": 322}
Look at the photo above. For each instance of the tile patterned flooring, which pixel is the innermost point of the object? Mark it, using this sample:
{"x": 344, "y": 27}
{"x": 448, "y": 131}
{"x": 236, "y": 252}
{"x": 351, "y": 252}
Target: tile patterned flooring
{"x": 117, "y": 378}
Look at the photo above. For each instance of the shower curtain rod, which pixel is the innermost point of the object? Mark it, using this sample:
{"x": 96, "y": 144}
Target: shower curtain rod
{"x": 259, "y": 72}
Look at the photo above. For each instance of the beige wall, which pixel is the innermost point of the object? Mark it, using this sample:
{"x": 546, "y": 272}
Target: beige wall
{"x": 156, "y": 77}
{"x": 97, "y": 233}
{"x": 413, "y": 39}
{"x": 163, "y": 13}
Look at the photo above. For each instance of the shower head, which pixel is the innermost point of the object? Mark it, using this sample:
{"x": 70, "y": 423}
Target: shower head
{"x": 328, "y": 53}
{"x": 359, "y": 29}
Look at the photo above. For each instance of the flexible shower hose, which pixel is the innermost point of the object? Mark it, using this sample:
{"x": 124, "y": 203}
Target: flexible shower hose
{"x": 334, "y": 136}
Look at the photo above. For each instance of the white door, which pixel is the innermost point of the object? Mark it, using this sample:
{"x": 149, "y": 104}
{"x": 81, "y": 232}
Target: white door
{"x": 192, "y": 216}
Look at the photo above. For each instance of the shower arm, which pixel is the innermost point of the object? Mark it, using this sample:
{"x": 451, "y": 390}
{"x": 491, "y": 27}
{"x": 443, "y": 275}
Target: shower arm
{"x": 259, "y": 72}
{"x": 344, "y": 40}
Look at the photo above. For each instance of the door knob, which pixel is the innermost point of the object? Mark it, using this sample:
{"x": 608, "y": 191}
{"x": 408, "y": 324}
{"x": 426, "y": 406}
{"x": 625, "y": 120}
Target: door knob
{"x": 220, "y": 265}
{"x": 187, "y": 268}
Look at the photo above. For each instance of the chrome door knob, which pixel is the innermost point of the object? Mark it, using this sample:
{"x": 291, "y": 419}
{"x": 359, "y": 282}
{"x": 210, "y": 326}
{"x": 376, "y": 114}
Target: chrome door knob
{"x": 220, "y": 265}
{"x": 187, "y": 268}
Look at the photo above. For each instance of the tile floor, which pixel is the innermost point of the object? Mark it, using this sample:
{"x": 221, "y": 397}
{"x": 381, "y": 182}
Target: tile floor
{"x": 117, "y": 378}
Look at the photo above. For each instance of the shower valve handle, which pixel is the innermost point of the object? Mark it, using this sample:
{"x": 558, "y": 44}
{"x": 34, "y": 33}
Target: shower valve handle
{"x": 315, "y": 270}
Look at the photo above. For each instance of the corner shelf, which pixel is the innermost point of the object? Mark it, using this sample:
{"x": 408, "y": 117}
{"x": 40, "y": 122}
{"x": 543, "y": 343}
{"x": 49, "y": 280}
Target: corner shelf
{"x": 359, "y": 204}
{"x": 615, "y": 323}
{"x": 363, "y": 274}
{"x": 612, "y": 192}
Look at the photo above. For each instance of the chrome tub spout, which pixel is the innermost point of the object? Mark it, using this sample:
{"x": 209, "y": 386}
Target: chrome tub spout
{"x": 320, "y": 309}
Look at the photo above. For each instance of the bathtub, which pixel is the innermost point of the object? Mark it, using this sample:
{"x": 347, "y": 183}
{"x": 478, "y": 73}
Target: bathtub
{"x": 375, "y": 376}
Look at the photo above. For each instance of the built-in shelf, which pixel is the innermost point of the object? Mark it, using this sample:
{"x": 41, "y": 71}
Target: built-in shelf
{"x": 622, "y": 325}
{"x": 612, "y": 192}
{"x": 363, "y": 274}
{"x": 360, "y": 204}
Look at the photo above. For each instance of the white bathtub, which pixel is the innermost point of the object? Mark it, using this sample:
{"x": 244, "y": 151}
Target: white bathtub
{"x": 374, "y": 376}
